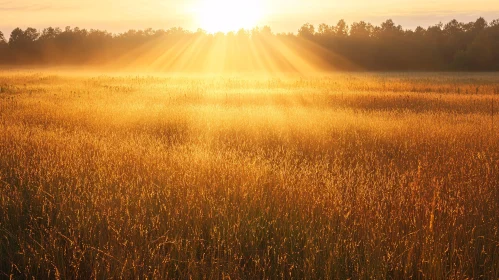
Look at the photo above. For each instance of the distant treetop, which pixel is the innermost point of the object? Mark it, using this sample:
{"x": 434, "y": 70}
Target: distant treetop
{"x": 455, "y": 45}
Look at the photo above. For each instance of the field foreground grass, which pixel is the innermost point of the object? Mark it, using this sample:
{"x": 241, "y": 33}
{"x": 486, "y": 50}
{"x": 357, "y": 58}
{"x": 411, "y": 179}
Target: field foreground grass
{"x": 335, "y": 176}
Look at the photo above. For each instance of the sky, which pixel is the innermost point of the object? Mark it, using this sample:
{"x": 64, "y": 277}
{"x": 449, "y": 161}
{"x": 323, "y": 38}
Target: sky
{"x": 282, "y": 15}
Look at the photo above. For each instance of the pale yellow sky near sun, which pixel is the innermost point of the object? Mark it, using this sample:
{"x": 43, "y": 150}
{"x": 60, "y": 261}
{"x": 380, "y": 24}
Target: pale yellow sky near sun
{"x": 281, "y": 15}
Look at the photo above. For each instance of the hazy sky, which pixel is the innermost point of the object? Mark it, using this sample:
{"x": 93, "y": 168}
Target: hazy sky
{"x": 281, "y": 15}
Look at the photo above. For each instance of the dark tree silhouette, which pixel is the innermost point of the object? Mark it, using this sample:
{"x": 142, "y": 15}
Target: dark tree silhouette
{"x": 306, "y": 31}
{"x": 472, "y": 46}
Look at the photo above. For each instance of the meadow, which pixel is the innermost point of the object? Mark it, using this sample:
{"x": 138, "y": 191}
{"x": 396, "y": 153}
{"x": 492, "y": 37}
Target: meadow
{"x": 327, "y": 176}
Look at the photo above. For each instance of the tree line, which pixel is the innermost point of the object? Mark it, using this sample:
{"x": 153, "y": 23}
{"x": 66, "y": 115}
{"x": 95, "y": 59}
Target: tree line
{"x": 459, "y": 46}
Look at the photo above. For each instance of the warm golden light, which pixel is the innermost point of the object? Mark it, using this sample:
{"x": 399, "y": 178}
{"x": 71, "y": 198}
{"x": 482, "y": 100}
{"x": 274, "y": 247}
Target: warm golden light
{"x": 228, "y": 15}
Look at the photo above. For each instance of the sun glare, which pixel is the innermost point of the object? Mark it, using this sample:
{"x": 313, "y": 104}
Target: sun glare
{"x": 228, "y": 15}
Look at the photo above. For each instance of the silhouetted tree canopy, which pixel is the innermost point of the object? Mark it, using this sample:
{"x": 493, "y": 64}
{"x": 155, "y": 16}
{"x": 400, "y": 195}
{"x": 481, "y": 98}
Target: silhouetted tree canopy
{"x": 472, "y": 46}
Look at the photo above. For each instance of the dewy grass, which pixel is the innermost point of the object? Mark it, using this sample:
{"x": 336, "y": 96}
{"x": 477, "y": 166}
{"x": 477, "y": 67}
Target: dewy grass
{"x": 334, "y": 176}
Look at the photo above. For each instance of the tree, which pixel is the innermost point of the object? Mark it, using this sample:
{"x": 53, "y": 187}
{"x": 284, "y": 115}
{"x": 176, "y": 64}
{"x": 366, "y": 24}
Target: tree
{"x": 389, "y": 29}
{"x": 361, "y": 30}
{"x": 23, "y": 39}
{"x": 50, "y": 33}
{"x": 455, "y": 45}
{"x": 325, "y": 30}
{"x": 306, "y": 31}
{"x": 479, "y": 25}
{"x": 4, "y": 49}
{"x": 266, "y": 30}
{"x": 16, "y": 37}
{"x": 341, "y": 28}
{"x": 23, "y": 45}
{"x": 243, "y": 33}
{"x": 31, "y": 34}
{"x": 201, "y": 31}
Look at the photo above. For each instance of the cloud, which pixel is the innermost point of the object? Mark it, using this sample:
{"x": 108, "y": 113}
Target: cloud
{"x": 30, "y": 6}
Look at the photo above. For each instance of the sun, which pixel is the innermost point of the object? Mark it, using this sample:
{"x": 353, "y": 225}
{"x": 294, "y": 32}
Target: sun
{"x": 229, "y": 15}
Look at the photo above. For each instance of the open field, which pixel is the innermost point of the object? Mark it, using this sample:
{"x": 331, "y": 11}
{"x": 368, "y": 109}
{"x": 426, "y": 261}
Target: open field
{"x": 351, "y": 175}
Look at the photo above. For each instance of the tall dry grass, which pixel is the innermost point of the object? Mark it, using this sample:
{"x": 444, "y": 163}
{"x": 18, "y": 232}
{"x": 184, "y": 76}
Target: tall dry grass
{"x": 335, "y": 176}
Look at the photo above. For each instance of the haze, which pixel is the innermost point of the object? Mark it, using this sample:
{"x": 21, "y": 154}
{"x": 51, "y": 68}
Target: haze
{"x": 281, "y": 15}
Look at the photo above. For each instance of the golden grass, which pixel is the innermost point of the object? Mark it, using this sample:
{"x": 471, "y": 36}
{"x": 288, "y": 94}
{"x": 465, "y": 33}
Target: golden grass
{"x": 334, "y": 176}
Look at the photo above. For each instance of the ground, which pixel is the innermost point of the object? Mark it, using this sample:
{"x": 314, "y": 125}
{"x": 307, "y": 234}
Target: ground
{"x": 344, "y": 175}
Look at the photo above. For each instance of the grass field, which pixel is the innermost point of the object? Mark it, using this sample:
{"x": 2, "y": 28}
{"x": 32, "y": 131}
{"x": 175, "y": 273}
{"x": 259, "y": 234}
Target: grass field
{"x": 351, "y": 175}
